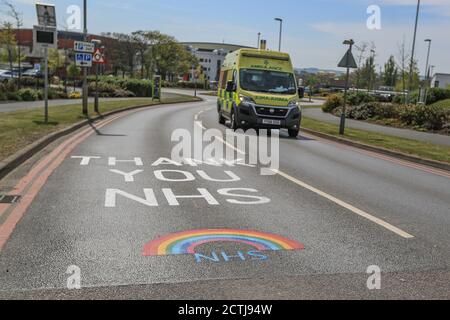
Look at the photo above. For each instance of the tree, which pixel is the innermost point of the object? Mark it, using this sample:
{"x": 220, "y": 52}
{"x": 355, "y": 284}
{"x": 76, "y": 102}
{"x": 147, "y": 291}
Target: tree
{"x": 18, "y": 19}
{"x": 361, "y": 49}
{"x": 166, "y": 56}
{"x": 368, "y": 73}
{"x": 55, "y": 59}
{"x": 142, "y": 43}
{"x": 73, "y": 72}
{"x": 8, "y": 43}
{"x": 403, "y": 57}
{"x": 122, "y": 52}
{"x": 390, "y": 74}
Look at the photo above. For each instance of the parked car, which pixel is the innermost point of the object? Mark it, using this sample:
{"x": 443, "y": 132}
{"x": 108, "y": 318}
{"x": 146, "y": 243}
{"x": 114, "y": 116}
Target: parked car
{"x": 33, "y": 73}
{"x": 5, "y": 75}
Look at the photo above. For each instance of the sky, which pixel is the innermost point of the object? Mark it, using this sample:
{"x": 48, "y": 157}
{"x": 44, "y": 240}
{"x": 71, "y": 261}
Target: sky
{"x": 313, "y": 29}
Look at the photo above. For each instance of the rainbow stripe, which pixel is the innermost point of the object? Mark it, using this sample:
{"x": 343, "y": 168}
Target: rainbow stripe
{"x": 186, "y": 242}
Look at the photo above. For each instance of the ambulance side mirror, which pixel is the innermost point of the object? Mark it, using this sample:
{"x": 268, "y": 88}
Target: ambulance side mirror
{"x": 301, "y": 92}
{"x": 230, "y": 86}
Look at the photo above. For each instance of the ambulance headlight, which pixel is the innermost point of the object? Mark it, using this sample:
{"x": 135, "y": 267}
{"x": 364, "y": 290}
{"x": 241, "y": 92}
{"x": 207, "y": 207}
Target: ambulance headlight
{"x": 246, "y": 100}
{"x": 294, "y": 104}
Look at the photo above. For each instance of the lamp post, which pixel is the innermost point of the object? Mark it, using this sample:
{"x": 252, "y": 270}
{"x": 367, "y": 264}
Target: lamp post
{"x": 372, "y": 60}
{"x": 281, "y": 32}
{"x": 411, "y": 67}
{"x": 427, "y": 71}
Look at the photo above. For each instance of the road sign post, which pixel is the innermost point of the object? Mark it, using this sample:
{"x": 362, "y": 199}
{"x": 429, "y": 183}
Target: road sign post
{"x": 97, "y": 58}
{"x": 45, "y": 37}
{"x": 349, "y": 62}
{"x": 83, "y": 58}
{"x": 85, "y": 70}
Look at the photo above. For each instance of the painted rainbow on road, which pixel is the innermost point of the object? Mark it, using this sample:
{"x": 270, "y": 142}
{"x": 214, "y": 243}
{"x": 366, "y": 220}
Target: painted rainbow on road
{"x": 186, "y": 242}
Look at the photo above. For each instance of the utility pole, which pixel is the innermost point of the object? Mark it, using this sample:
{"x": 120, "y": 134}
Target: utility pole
{"x": 85, "y": 70}
{"x": 411, "y": 67}
{"x": 281, "y": 32}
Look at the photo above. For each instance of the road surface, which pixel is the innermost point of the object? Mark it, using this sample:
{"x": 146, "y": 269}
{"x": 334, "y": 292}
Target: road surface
{"x": 343, "y": 211}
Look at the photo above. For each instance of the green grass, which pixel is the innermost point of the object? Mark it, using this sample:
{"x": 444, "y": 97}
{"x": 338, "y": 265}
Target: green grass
{"x": 412, "y": 147}
{"x": 445, "y": 104}
{"x": 305, "y": 106}
{"x": 21, "y": 128}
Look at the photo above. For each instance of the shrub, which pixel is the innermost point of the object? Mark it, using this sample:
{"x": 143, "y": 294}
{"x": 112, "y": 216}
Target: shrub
{"x": 75, "y": 95}
{"x": 104, "y": 89}
{"x": 387, "y": 111}
{"x": 433, "y": 95}
{"x": 357, "y": 98}
{"x": 333, "y": 102}
{"x": 430, "y": 117}
{"x": 13, "y": 96}
{"x": 140, "y": 88}
{"x": 364, "y": 111}
{"x": 28, "y": 94}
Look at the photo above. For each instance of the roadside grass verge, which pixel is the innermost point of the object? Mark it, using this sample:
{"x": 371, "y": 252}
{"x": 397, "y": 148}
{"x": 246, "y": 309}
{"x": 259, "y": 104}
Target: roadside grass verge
{"x": 19, "y": 129}
{"x": 412, "y": 147}
{"x": 313, "y": 106}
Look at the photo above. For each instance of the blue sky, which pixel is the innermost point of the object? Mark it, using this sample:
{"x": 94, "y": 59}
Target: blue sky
{"x": 313, "y": 29}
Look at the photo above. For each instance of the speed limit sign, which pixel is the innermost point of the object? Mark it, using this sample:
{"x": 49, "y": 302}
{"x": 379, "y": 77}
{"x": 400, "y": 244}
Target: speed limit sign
{"x": 98, "y": 57}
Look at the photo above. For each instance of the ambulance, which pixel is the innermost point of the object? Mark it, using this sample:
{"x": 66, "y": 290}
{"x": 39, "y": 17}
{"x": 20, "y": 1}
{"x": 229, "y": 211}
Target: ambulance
{"x": 258, "y": 90}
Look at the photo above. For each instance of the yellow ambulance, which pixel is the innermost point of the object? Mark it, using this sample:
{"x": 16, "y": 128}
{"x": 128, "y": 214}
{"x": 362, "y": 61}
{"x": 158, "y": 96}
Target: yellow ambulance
{"x": 258, "y": 90}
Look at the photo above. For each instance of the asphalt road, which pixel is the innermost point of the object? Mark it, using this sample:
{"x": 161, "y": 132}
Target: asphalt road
{"x": 348, "y": 208}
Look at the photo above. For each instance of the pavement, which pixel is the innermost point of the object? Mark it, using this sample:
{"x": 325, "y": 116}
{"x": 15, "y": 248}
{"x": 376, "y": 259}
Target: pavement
{"x": 345, "y": 213}
{"x": 318, "y": 114}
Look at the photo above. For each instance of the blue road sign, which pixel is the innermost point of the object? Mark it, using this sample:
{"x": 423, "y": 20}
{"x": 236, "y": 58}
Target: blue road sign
{"x": 83, "y": 59}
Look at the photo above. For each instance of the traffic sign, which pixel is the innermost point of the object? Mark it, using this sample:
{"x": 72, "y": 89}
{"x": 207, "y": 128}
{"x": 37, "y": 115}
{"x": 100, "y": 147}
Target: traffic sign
{"x": 348, "y": 61}
{"x": 83, "y": 59}
{"x": 46, "y": 15}
{"x": 98, "y": 57}
{"x": 80, "y": 46}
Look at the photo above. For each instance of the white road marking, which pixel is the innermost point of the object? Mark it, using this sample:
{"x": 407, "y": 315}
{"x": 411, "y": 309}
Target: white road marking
{"x": 333, "y": 199}
{"x": 347, "y": 206}
{"x": 199, "y": 124}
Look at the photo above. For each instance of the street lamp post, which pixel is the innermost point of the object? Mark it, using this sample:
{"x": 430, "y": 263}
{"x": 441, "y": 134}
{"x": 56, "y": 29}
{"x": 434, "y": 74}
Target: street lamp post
{"x": 427, "y": 71}
{"x": 281, "y": 32}
{"x": 411, "y": 67}
{"x": 372, "y": 60}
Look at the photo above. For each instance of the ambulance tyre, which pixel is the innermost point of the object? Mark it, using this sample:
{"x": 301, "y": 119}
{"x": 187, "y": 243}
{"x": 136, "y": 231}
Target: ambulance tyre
{"x": 293, "y": 133}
